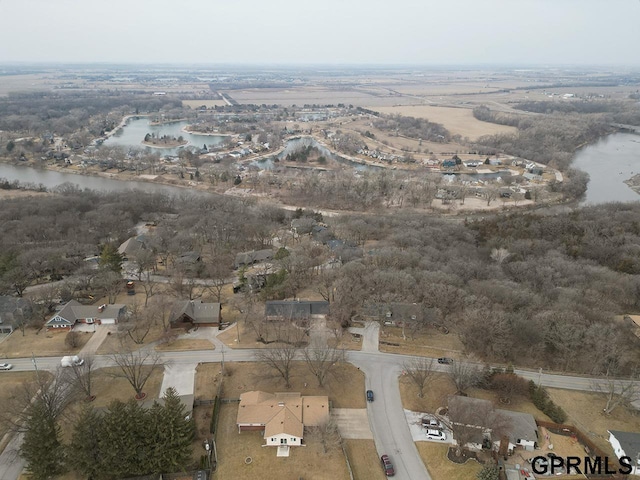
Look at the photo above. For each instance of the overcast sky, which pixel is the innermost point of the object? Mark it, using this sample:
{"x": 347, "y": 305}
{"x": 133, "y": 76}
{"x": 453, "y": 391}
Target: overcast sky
{"x": 322, "y": 31}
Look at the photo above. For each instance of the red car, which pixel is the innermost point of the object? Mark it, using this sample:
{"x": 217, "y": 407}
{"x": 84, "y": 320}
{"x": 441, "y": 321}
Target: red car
{"x": 387, "y": 465}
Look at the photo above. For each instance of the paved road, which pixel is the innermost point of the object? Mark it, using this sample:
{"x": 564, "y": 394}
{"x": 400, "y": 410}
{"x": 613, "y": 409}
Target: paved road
{"x": 386, "y": 415}
{"x": 11, "y": 464}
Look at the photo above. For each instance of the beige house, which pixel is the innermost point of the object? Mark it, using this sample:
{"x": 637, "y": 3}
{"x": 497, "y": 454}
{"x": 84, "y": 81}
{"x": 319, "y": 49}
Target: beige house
{"x": 282, "y": 416}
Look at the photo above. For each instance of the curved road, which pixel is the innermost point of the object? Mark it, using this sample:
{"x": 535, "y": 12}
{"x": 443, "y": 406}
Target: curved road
{"x": 386, "y": 415}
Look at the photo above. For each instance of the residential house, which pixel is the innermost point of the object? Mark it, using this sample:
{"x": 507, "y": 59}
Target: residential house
{"x": 633, "y": 321}
{"x": 255, "y": 256}
{"x": 303, "y": 226}
{"x": 282, "y": 416}
{"x": 187, "y": 402}
{"x": 295, "y": 309}
{"x": 74, "y": 312}
{"x": 13, "y": 312}
{"x": 192, "y": 313}
{"x": 626, "y": 444}
{"x": 189, "y": 259}
{"x": 516, "y": 429}
{"x": 132, "y": 246}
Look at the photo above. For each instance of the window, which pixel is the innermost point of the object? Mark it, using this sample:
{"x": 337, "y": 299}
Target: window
{"x": 283, "y": 441}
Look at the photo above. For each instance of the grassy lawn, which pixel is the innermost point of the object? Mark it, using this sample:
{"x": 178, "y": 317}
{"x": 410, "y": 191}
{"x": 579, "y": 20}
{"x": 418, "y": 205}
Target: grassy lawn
{"x": 364, "y": 460}
{"x": 10, "y": 383}
{"x": 117, "y": 343}
{"x": 431, "y": 343}
{"x": 308, "y": 462}
{"x": 435, "y": 395}
{"x": 584, "y": 410}
{"x": 207, "y": 380}
{"x": 40, "y": 342}
{"x": 107, "y": 388}
{"x": 185, "y": 344}
{"x": 344, "y": 391}
{"x": 434, "y": 456}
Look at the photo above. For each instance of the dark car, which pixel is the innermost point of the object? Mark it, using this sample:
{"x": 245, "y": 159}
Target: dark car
{"x": 387, "y": 465}
{"x": 369, "y": 395}
{"x": 445, "y": 360}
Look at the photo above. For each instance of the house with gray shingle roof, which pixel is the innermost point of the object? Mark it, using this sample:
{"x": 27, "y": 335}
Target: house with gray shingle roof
{"x": 74, "y": 312}
{"x": 295, "y": 309}
{"x": 626, "y": 444}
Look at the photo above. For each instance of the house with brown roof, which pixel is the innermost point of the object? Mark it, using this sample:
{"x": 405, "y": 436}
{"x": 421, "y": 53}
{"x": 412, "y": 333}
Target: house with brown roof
{"x": 282, "y": 416}
{"x": 192, "y": 313}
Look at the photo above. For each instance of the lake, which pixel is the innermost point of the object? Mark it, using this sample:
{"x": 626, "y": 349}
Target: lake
{"x": 133, "y": 133}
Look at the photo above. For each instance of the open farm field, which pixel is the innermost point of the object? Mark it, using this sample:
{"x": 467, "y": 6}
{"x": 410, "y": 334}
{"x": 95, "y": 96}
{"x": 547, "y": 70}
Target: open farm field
{"x": 24, "y": 83}
{"x": 458, "y": 121}
{"x": 312, "y": 95}
{"x": 206, "y": 103}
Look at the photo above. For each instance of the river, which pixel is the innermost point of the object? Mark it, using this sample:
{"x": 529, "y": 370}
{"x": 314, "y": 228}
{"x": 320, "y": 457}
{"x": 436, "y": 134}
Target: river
{"x": 609, "y": 162}
{"x": 51, "y": 179}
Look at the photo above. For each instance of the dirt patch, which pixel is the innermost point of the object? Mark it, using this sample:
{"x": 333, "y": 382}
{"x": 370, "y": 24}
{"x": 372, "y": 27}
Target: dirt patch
{"x": 465, "y": 456}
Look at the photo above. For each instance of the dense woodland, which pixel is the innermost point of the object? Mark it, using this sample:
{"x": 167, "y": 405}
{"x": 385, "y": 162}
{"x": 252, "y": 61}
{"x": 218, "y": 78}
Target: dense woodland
{"x": 531, "y": 289}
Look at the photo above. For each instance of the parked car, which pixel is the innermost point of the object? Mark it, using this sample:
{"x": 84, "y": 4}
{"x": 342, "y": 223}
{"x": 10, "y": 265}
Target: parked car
{"x": 369, "y": 395}
{"x": 5, "y": 366}
{"x": 431, "y": 423}
{"x": 445, "y": 360}
{"x": 387, "y": 465}
{"x": 436, "y": 435}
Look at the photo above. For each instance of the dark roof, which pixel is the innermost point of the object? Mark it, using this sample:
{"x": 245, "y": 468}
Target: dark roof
{"x": 523, "y": 426}
{"x": 197, "y": 311}
{"x": 74, "y": 311}
{"x": 255, "y": 256}
{"x": 189, "y": 257}
{"x": 629, "y": 441}
{"x": 133, "y": 245}
{"x": 296, "y": 308}
{"x": 12, "y": 308}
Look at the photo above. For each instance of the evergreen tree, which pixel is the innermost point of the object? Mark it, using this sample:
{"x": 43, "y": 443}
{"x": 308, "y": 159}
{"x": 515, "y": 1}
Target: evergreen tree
{"x": 110, "y": 258}
{"x": 174, "y": 430}
{"x": 41, "y": 446}
{"x": 87, "y": 445}
{"x": 488, "y": 472}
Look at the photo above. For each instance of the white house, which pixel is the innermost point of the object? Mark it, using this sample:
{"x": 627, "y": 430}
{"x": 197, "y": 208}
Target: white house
{"x": 626, "y": 444}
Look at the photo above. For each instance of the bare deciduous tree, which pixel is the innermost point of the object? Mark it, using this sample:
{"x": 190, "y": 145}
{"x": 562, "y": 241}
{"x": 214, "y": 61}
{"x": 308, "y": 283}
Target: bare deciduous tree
{"x": 465, "y": 375}
{"x": 136, "y": 367}
{"x": 280, "y": 357}
{"x": 328, "y": 435}
{"x": 323, "y": 361}
{"x": 82, "y": 376}
{"x": 421, "y": 372}
{"x": 617, "y": 391}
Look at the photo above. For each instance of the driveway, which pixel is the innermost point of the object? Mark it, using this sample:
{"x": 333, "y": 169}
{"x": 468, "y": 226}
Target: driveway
{"x": 180, "y": 376}
{"x": 99, "y": 336}
{"x": 353, "y": 423}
